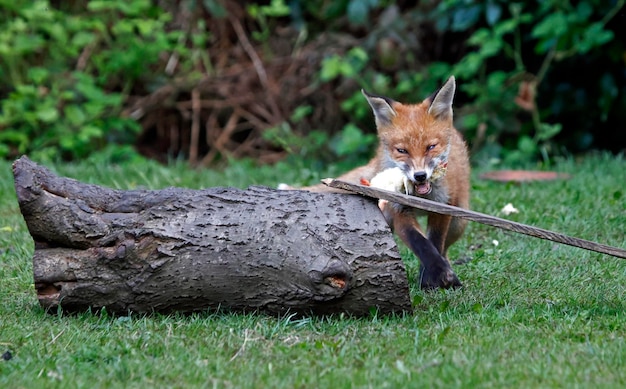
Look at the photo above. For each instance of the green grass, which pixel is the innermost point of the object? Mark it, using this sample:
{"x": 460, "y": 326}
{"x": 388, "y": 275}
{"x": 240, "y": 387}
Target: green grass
{"x": 531, "y": 313}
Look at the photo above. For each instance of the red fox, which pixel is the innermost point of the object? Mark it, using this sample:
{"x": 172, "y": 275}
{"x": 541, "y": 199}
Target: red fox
{"x": 421, "y": 141}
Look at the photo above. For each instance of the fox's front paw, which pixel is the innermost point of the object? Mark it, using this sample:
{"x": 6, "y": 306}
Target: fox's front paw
{"x": 438, "y": 278}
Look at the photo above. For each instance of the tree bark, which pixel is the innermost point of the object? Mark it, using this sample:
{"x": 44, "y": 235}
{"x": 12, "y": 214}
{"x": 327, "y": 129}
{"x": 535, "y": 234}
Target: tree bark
{"x": 191, "y": 250}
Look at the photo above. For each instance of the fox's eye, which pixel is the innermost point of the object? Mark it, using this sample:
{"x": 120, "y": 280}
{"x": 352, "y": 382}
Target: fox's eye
{"x": 402, "y": 151}
{"x": 430, "y": 147}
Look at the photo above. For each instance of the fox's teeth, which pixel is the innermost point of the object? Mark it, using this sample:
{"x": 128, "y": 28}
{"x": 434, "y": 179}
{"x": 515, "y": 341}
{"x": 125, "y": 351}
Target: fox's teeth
{"x": 423, "y": 189}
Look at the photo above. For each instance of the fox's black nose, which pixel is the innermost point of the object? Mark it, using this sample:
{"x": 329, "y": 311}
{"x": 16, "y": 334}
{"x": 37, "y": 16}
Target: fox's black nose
{"x": 420, "y": 176}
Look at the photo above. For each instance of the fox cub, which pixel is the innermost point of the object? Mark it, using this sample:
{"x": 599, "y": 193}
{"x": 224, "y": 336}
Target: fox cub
{"x": 419, "y": 142}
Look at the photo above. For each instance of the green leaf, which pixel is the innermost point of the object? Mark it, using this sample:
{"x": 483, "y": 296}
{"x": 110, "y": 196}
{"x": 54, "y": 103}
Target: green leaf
{"x": 68, "y": 142}
{"x": 358, "y": 10}
{"x": 4, "y": 150}
{"x": 129, "y": 8}
{"x": 94, "y": 109}
{"x": 135, "y": 7}
{"x": 547, "y": 131}
{"x": 470, "y": 121}
{"x": 465, "y": 17}
{"x": 147, "y": 27}
{"x": 48, "y": 114}
{"x": 27, "y": 43}
{"x": 584, "y": 10}
{"x": 493, "y": 11}
{"x": 88, "y": 132}
{"x": 123, "y": 27}
{"x": 358, "y": 53}
{"x": 277, "y": 8}
{"x": 497, "y": 80}
{"x": 595, "y": 35}
{"x": 300, "y": 113}
{"x": 38, "y": 74}
{"x": 479, "y": 36}
{"x": 469, "y": 65}
{"x": 83, "y": 38}
{"x": 13, "y": 137}
{"x": 526, "y": 145}
{"x": 505, "y": 27}
{"x": 491, "y": 47}
{"x": 331, "y": 68}
{"x": 552, "y": 26}
{"x": 74, "y": 114}
{"x": 351, "y": 140}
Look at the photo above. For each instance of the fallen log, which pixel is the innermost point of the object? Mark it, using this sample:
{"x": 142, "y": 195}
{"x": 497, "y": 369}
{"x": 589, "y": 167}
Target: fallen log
{"x": 191, "y": 250}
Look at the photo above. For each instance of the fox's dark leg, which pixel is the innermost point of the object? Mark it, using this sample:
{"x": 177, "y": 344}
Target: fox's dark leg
{"x": 437, "y": 231}
{"x": 444, "y": 230}
{"x": 436, "y": 271}
{"x": 457, "y": 226}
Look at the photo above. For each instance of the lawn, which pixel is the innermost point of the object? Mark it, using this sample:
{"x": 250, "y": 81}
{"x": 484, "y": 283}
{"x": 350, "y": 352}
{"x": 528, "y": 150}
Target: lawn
{"x": 531, "y": 313}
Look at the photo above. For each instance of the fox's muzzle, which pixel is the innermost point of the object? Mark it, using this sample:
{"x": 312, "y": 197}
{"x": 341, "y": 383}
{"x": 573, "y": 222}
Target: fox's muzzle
{"x": 422, "y": 185}
{"x": 420, "y": 176}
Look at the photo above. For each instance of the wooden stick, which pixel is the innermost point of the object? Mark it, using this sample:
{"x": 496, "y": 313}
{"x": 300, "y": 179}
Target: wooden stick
{"x": 445, "y": 209}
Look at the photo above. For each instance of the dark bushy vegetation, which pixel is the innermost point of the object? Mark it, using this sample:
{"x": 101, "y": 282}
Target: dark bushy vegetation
{"x": 210, "y": 80}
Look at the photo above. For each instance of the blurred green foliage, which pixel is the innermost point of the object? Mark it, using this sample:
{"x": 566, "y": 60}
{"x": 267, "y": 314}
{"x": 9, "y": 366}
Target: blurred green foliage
{"x": 510, "y": 53}
{"x": 66, "y": 70}
{"x": 515, "y": 47}
{"x": 65, "y": 75}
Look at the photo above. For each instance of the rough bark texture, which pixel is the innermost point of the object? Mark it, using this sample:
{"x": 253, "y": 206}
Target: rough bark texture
{"x": 189, "y": 250}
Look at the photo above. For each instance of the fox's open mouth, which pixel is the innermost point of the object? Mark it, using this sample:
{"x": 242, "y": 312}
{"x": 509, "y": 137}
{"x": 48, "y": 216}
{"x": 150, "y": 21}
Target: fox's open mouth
{"x": 423, "y": 188}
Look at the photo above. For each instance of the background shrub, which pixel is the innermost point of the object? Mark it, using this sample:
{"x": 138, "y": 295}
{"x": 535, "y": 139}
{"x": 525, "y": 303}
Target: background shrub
{"x": 66, "y": 72}
{"x": 212, "y": 80}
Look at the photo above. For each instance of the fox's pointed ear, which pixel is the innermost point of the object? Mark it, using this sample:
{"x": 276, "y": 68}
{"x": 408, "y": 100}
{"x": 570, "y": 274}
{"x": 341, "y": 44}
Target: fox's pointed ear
{"x": 441, "y": 101}
{"x": 382, "y": 107}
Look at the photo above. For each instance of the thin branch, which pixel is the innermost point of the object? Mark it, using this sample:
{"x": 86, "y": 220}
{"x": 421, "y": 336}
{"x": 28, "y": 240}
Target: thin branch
{"x": 445, "y": 209}
{"x": 245, "y": 43}
{"x": 258, "y": 64}
{"x": 195, "y": 126}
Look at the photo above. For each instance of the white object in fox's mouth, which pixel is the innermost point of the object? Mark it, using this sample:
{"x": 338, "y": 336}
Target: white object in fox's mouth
{"x": 392, "y": 179}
